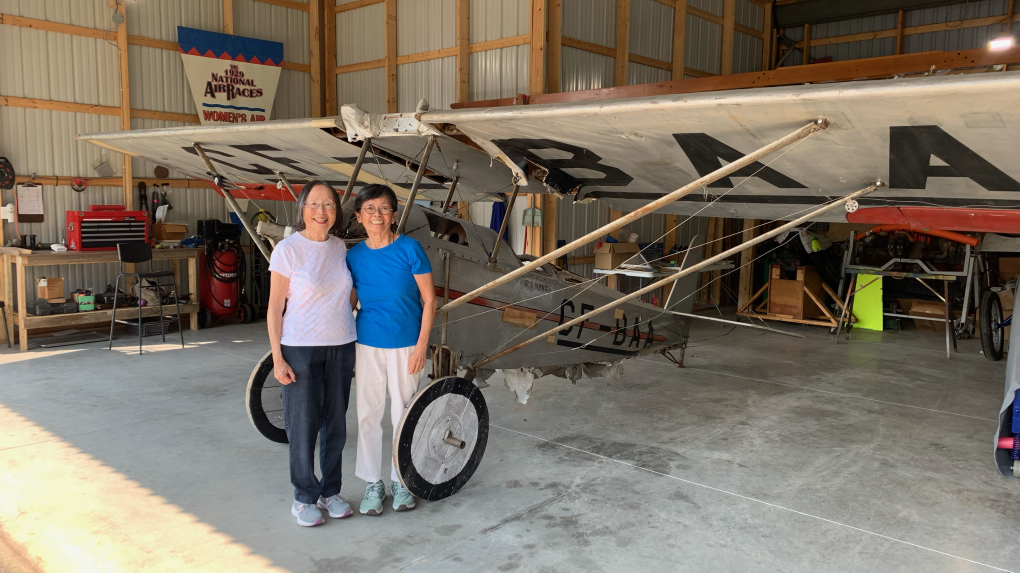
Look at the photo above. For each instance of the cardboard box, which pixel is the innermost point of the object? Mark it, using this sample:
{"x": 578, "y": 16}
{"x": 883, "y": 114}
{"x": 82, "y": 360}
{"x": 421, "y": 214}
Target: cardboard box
{"x": 169, "y": 231}
{"x": 50, "y": 288}
{"x": 933, "y": 310}
{"x": 1009, "y": 268}
{"x": 608, "y": 256}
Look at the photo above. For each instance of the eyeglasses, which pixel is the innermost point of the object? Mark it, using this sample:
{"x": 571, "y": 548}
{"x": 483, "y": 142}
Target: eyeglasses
{"x": 372, "y": 210}
{"x": 328, "y": 206}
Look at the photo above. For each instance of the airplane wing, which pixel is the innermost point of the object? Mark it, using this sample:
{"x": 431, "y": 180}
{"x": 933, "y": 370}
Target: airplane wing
{"x": 943, "y": 144}
{"x": 250, "y": 155}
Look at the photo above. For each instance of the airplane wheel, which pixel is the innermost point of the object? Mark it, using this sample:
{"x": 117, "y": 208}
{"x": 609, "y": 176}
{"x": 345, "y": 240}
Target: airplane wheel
{"x": 264, "y": 401}
{"x": 991, "y": 337}
{"x": 441, "y": 438}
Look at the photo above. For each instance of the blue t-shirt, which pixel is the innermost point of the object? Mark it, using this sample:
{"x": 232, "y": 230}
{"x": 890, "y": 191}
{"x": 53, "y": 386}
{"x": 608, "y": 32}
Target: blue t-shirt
{"x": 390, "y": 314}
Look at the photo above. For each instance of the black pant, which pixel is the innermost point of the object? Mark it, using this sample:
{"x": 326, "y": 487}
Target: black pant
{"x": 316, "y": 403}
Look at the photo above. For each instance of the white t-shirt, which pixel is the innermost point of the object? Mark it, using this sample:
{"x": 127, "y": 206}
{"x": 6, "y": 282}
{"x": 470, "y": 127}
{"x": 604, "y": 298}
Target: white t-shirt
{"x": 319, "y": 297}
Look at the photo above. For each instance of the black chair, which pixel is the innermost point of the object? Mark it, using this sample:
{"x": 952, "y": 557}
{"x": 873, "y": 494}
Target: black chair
{"x": 140, "y": 252}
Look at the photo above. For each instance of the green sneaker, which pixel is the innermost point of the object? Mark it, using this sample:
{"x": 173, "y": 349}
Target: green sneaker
{"x": 374, "y": 494}
{"x": 402, "y": 499}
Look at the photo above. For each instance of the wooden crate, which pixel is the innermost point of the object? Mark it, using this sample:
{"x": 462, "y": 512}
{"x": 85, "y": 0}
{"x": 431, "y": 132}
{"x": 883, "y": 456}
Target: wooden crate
{"x": 799, "y": 300}
{"x": 790, "y": 298}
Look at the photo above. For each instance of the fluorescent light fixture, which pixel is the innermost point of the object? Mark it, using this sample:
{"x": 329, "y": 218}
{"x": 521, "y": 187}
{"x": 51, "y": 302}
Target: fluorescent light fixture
{"x": 1000, "y": 43}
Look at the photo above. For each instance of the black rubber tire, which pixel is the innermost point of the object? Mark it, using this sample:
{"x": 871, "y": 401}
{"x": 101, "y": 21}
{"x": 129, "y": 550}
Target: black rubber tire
{"x": 253, "y": 397}
{"x": 246, "y": 313}
{"x": 402, "y": 457}
{"x": 205, "y": 318}
{"x": 991, "y": 337}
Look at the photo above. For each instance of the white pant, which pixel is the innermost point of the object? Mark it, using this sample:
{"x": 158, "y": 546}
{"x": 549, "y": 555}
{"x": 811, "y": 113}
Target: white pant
{"x": 375, "y": 371}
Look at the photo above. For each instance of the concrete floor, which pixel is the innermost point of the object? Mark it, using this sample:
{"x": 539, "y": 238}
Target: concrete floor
{"x": 766, "y": 453}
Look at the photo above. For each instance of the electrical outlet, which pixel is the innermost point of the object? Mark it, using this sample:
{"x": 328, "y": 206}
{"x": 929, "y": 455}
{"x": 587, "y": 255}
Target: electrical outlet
{"x": 7, "y": 212}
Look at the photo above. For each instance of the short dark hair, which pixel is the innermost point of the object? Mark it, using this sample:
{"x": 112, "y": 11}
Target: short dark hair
{"x": 299, "y": 206}
{"x": 375, "y": 191}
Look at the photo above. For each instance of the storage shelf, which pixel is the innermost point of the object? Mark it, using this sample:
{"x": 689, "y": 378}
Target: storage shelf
{"x": 102, "y": 316}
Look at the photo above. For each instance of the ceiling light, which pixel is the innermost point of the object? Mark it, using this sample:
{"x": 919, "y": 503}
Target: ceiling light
{"x": 1000, "y": 43}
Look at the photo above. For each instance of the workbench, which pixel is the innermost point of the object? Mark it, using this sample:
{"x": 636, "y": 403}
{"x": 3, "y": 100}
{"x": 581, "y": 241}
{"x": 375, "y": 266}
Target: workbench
{"x": 12, "y": 276}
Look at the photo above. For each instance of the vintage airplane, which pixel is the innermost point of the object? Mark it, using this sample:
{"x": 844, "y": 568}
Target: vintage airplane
{"x": 932, "y": 151}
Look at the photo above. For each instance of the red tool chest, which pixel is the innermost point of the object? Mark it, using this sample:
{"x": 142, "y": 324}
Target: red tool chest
{"x": 103, "y": 226}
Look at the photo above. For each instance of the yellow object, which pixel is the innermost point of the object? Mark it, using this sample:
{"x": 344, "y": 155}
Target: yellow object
{"x": 868, "y": 303}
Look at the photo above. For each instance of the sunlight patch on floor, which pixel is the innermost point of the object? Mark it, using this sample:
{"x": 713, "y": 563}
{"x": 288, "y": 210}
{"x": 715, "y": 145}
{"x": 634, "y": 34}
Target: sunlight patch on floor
{"x": 71, "y": 513}
{"x": 23, "y": 356}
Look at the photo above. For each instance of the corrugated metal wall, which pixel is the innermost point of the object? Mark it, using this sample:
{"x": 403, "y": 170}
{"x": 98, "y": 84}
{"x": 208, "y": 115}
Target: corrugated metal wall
{"x": 60, "y": 67}
{"x": 504, "y": 72}
{"x": 961, "y": 38}
{"x": 66, "y": 68}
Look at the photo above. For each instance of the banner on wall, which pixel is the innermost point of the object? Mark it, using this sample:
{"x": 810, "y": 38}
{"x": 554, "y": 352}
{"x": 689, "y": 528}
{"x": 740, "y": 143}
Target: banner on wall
{"x": 233, "y": 79}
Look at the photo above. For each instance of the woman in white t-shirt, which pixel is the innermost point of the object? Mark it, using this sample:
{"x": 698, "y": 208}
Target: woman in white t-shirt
{"x": 313, "y": 349}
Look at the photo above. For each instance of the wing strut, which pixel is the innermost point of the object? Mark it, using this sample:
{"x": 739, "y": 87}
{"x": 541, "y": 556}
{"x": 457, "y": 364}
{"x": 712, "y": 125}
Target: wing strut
{"x": 357, "y": 169}
{"x": 735, "y": 323}
{"x": 679, "y": 274}
{"x": 744, "y": 161}
{"x": 225, "y": 186}
{"x": 449, "y": 196}
{"x": 502, "y": 226}
{"x": 286, "y": 183}
{"x": 417, "y": 183}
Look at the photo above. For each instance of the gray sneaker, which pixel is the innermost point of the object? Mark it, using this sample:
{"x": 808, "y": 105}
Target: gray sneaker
{"x": 307, "y": 514}
{"x": 336, "y": 506}
{"x": 374, "y": 494}
{"x": 402, "y": 499}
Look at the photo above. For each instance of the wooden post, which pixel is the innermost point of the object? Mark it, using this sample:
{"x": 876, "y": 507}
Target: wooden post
{"x": 768, "y": 40}
{"x": 679, "y": 38}
{"x": 315, "y": 41}
{"x": 228, "y": 16}
{"x": 549, "y": 209}
{"x": 807, "y": 45}
{"x": 746, "y": 268}
{"x": 391, "y": 56}
{"x": 464, "y": 210}
{"x": 463, "y": 59}
{"x": 5, "y": 296}
{"x": 536, "y": 70}
{"x": 555, "y": 39}
{"x": 614, "y": 215}
{"x": 125, "y": 98}
{"x": 899, "y": 32}
{"x": 329, "y": 57}
{"x": 775, "y": 50}
{"x": 23, "y": 300}
{"x": 729, "y": 22}
{"x": 622, "y": 41}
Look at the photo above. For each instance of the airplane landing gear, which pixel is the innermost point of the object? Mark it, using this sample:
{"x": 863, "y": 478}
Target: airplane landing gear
{"x": 441, "y": 438}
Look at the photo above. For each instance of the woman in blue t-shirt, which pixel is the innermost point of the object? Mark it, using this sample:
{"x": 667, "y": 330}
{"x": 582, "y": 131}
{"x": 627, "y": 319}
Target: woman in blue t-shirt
{"x": 393, "y": 282}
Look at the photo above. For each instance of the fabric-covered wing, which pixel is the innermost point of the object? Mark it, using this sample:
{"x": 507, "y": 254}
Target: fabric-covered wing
{"x": 945, "y": 141}
{"x": 250, "y": 155}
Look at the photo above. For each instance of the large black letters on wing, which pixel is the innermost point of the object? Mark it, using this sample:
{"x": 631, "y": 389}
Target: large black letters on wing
{"x": 912, "y": 146}
{"x": 520, "y": 151}
{"x": 705, "y": 153}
